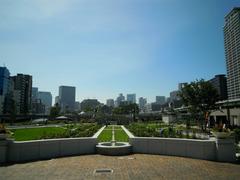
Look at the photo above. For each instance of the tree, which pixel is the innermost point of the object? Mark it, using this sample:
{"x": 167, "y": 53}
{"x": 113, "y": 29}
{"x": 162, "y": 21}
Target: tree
{"x": 54, "y": 111}
{"x": 200, "y": 97}
{"x": 131, "y": 108}
{"x": 104, "y": 109}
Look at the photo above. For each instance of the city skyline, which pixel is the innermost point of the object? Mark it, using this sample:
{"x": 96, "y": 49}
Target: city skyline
{"x": 145, "y": 47}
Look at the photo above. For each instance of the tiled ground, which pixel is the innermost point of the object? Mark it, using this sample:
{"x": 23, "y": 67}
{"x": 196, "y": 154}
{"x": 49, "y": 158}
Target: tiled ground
{"x": 138, "y": 166}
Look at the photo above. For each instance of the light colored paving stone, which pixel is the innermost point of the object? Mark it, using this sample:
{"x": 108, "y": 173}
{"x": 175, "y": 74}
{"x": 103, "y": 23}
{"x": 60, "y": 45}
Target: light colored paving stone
{"x": 137, "y": 166}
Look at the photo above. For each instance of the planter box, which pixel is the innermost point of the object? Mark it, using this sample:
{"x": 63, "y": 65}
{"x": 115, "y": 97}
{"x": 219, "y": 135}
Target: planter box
{"x": 221, "y": 135}
{"x": 202, "y": 136}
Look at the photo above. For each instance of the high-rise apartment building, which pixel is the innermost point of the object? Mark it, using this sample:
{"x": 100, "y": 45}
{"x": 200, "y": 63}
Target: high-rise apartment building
{"x": 131, "y": 98}
{"x": 22, "y": 86}
{"x": 67, "y": 98}
{"x": 232, "y": 52}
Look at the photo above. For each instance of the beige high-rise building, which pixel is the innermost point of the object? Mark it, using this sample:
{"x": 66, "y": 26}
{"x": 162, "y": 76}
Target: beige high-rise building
{"x": 232, "y": 52}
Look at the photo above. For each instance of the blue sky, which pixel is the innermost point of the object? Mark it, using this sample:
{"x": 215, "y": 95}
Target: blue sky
{"x": 107, "y": 47}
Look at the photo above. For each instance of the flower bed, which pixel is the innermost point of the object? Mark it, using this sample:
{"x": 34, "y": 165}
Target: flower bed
{"x": 164, "y": 130}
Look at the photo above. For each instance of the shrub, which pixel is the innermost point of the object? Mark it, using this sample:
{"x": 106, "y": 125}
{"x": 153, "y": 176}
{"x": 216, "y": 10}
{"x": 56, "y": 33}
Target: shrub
{"x": 237, "y": 135}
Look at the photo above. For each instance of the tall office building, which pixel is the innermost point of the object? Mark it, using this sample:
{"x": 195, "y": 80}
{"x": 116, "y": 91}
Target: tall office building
{"x": 110, "y": 102}
{"x": 34, "y": 94}
{"x": 131, "y": 98}
{"x": 46, "y": 99}
{"x": 56, "y": 100}
{"x": 141, "y": 103}
{"x": 67, "y": 98}
{"x": 22, "y": 85}
{"x": 220, "y": 83}
{"x": 160, "y": 99}
{"x": 4, "y": 86}
{"x": 232, "y": 52}
{"x": 4, "y": 81}
{"x": 119, "y": 99}
{"x": 37, "y": 105}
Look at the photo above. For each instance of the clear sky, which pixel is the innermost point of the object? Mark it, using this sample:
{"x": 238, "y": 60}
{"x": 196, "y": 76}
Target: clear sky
{"x": 107, "y": 47}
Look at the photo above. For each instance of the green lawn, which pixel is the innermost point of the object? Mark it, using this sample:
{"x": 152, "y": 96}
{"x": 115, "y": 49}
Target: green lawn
{"x": 106, "y": 135}
{"x": 35, "y": 133}
{"x": 111, "y": 126}
{"x": 121, "y": 136}
{"x": 67, "y": 131}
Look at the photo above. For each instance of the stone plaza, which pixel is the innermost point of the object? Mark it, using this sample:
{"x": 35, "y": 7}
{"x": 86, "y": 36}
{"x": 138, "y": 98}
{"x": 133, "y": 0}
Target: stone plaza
{"x": 136, "y": 166}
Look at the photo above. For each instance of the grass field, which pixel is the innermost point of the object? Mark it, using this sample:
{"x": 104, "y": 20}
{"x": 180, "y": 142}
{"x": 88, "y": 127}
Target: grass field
{"x": 109, "y": 127}
{"x": 35, "y": 133}
{"x": 67, "y": 131}
{"x": 106, "y": 135}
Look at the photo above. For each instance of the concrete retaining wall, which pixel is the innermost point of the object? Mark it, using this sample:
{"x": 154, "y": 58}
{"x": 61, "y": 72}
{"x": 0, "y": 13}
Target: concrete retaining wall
{"x": 176, "y": 147}
{"x": 20, "y": 151}
{"x": 47, "y": 149}
{"x": 213, "y": 149}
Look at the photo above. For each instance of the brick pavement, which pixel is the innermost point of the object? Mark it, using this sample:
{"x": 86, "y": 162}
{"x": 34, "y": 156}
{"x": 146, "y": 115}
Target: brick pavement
{"x": 137, "y": 166}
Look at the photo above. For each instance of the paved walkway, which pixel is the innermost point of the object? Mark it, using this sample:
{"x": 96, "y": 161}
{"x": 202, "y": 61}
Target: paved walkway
{"x": 138, "y": 166}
